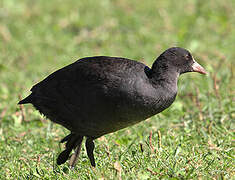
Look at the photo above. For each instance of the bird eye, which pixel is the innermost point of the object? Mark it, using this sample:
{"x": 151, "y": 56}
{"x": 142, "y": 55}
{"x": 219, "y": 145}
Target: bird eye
{"x": 188, "y": 56}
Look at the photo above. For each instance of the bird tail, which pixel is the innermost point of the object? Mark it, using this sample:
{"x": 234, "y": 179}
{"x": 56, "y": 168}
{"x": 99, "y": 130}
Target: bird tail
{"x": 28, "y": 99}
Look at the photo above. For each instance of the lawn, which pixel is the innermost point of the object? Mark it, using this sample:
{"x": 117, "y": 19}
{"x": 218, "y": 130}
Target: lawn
{"x": 193, "y": 139}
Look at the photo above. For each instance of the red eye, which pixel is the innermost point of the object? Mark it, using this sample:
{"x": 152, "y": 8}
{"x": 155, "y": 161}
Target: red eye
{"x": 188, "y": 56}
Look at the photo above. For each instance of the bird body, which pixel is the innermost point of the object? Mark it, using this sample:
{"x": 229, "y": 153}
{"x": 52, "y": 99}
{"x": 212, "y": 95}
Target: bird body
{"x": 100, "y": 103}
{"x": 99, "y": 95}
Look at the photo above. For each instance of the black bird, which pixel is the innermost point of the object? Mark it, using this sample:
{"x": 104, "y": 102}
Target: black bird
{"x": 99, "y": 95}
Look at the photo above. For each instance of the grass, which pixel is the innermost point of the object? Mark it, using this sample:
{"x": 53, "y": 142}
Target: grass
{"x": 193, "y": 139}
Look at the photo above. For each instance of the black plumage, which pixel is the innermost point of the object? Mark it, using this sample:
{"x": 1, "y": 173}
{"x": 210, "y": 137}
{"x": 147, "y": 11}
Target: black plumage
{"x": 99, "y": 95}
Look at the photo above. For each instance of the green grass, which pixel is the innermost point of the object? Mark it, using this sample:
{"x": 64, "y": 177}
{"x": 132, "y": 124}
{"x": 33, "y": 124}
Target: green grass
{"x": 193, "y": 139}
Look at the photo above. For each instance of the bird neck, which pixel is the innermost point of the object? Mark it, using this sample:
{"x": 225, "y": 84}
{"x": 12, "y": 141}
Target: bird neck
{"x": 163, "y": 74}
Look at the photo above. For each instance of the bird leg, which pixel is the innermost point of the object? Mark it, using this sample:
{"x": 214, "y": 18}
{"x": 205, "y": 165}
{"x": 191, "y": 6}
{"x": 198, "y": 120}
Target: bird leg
{"x": 72, "y": 141}
{"x": 66, "y": 138}
{"x": 75, "y": 155}
{"x": 90, "y": 146}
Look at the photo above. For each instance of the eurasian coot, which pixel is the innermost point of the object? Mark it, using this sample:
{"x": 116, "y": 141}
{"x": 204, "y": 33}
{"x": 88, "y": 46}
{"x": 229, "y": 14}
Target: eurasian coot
{"x": 99, "y": 95}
